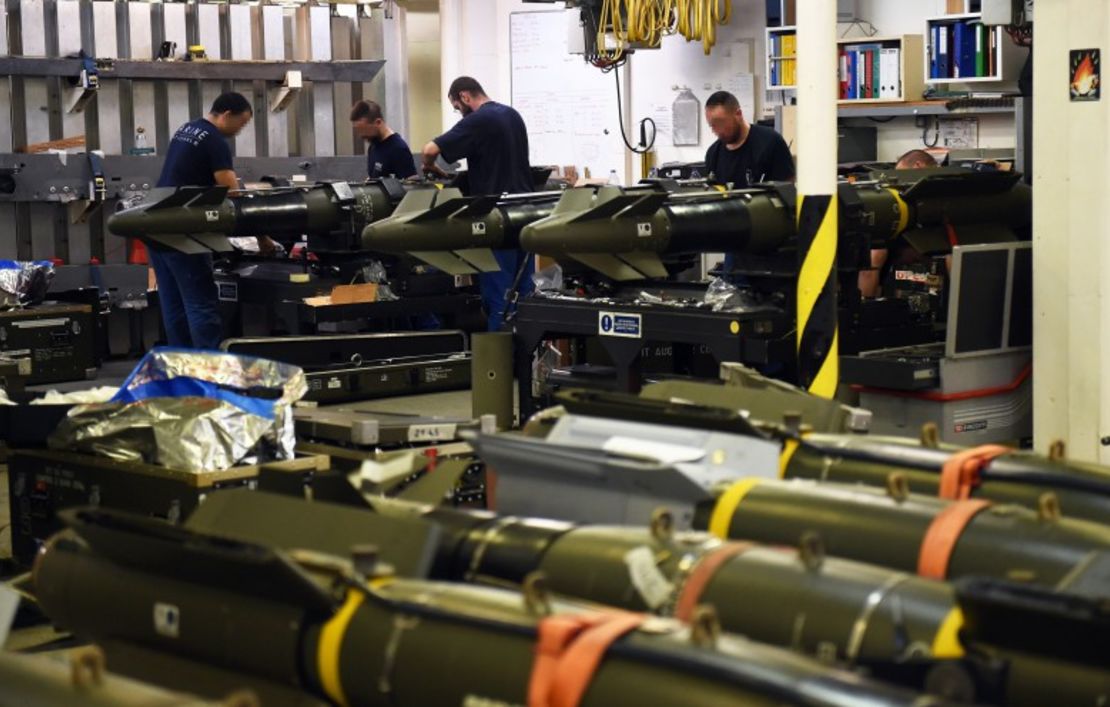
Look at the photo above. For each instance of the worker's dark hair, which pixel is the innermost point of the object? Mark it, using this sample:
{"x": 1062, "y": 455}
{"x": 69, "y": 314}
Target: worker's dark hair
{"x": 465, "y": 83}
{"x": 366, "y": 110}
{"x": 722, "y": 98}
{"x": 915, "y": 159}
{"x": 231, "y": 102}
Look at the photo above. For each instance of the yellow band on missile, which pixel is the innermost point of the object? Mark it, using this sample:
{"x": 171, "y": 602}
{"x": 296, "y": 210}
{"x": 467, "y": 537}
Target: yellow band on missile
{"x": 726, "y": 506}
{"x": 903, "y": 212}
{"x": 946, "y": 643}
{"x": 721, "y": 188}
{"x": 331, "y": 641}
{"x": 788, "y": 449}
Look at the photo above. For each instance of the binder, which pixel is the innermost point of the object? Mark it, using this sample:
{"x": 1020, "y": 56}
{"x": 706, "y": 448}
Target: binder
{"x": 967, "y": 50}
{"x": 842, "y": 72}
{"x": 956, "y": 56}
{"x": 890, "y": 70}
{"x": 992, "y": 56}
{"x": 980, "y": 50}
{"x": 789, "y": 50}
{"x": 942, "y": 52}
{"x": 934, "y": 52}
{"x": 876, "y": 86}
{"x": 868, "y": 72}
{"x": 861, "y": 73}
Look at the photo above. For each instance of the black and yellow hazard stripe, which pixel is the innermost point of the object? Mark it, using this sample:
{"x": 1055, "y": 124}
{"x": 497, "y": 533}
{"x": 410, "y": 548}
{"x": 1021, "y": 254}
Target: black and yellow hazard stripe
{"x": 818, "y": 366}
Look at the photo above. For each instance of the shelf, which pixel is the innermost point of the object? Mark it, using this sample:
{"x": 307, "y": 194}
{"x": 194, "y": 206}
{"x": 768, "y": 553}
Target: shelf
{"x": 972, "y": 19}
{"x": 880, "y": 109}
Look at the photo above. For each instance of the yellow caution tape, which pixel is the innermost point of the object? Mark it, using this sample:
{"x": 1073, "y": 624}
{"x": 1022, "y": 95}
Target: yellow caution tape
{"x": 817, "y": 268}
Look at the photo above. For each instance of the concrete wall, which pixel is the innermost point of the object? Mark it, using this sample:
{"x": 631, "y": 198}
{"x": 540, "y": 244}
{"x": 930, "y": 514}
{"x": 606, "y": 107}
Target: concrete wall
{"x": 425, "y": 87}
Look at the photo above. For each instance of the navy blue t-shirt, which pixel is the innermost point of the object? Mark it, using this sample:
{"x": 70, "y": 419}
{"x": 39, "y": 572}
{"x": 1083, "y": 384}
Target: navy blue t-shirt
{"x": 494, "y": 141}
{"x": 390, "y": 158}
{"x": 196, "y": 151}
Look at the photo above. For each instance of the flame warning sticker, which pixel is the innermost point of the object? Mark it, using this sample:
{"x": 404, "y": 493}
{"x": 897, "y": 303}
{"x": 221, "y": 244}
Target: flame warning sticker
{"x": 1085, "y": 75}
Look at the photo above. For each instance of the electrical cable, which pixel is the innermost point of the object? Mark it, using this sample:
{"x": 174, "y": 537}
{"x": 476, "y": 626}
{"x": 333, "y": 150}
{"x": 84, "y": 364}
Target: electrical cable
{"x": 643, "y": 125}
{"x": 936, "y": 133}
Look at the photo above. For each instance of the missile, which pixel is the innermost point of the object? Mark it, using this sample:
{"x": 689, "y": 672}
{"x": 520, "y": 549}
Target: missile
{"x": 201, "y": 219}
{"x": 349, "y": 632}
{"x": 994, "y": 473}
{"x": 893, "y": 625}
{"x": 626, "y": 236}
{"x": 930, "y": 536}
{"x": 454, "y": 233}
{"x": 814, "y": 449}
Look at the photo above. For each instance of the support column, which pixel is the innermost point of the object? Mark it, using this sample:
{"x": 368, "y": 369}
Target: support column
{"x": 1071, "y": 223}
{"x": 818, "y": 365}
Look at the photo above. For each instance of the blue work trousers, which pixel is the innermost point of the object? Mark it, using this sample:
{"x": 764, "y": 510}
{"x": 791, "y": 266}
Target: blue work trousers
{"x": 494, "y": 285}
{"x": 190, "y": 305}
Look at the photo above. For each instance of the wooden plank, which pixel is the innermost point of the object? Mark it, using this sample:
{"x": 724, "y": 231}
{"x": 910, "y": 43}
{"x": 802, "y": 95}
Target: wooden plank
{"x": 342, "y": 44}
{"x": 272, "y": 26}
{"x": 142, "y": 92}
{"x": 110, "y": 132}
{"x": 67, "y": 143}
{"x": 175, "y": 29}
{"x": 242, "y": 48}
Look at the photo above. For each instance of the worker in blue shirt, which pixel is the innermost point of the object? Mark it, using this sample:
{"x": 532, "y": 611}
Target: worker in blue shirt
{"x": 388, "y": 154}
{"x": 198, "y": 155}
{"x": 494, "y": 141}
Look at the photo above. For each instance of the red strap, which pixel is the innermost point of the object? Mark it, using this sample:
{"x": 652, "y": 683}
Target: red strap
{"x": 962, "y": 471}
{"x": 569, "y": 649}
{"x": 943, "y": 534}
{"x": 699, "y": 578}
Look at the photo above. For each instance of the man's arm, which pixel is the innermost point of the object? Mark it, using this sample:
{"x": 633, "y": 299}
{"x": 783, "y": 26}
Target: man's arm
{"x": 226, "y": 178}
{"x": 781, "y": 168}
{"x": 429, "y": 154}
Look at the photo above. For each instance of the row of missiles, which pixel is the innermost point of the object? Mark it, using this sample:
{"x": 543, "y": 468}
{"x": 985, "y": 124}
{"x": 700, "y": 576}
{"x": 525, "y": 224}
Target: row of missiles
{"x": 624, "y": 233}
{"x": 860, "y": 571}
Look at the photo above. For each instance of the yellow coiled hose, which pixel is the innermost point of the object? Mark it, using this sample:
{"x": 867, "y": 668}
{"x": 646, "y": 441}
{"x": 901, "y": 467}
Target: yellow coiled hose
{"x": 646, "y": 22}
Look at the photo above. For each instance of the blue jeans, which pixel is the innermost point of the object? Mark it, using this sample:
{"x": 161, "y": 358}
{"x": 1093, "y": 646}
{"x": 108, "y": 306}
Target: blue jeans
{"x": 494, "y": 285}
{"x": 190, "y": 305}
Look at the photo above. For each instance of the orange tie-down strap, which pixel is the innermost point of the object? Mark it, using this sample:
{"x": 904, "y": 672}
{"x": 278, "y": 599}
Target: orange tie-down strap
{"x": 702, "y": 574}
{"x": 963, "y": 470}
{"x": 944, "y": 532}
{"x": 569, "y": 648}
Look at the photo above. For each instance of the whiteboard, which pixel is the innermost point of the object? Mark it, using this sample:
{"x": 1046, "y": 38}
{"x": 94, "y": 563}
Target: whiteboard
{"x": 570, "y": 107}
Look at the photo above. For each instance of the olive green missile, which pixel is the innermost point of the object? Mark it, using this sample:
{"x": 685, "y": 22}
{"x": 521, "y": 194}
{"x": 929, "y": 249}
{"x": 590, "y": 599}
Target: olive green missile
{"x": 454, "y": 233}
{"x": 930, "y": 536}
{"x": 894, "y": 625}
{"x": 349, "y": 632}
{"x": 626, "y": 236}
{"x": 201, "y": 219}
{"x": 813, "y": 447}
{"x": 995, "y": 473}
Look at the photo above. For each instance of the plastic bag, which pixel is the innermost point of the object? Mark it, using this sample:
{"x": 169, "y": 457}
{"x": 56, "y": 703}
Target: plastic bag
{"x": 548, "y": 281}
{"x": 375, "y": 273}
{"x": 723, "y": 296}
{"x": 192, "y": 411}
{"x": 24, "y": 283}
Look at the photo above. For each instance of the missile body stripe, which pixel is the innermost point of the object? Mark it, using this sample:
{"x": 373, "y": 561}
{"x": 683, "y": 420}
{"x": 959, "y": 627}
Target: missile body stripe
{"x": 817, "y": 341}
{"x": 903, "y": 211}
{"x": 727, "y": 504}
{"x": 788, "y": 448}
{"x": 331, "y": 641}
{"x": 946, "y": 644}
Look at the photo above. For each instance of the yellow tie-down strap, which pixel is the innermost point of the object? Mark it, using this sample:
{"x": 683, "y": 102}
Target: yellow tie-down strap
{"x": 331, "y": 641}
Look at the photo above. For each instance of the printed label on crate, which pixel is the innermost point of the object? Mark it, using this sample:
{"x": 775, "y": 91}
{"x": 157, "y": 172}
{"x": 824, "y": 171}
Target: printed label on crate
{"x": 629, "y": 326}
{"x": 432, "y": 433}
{"x": 971, "y": 426}
{"x": 334, "y": 384}
{"x": 40, "y": 323}
{"x": 227, "y": 291}
{"x": 433, "y": 374}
